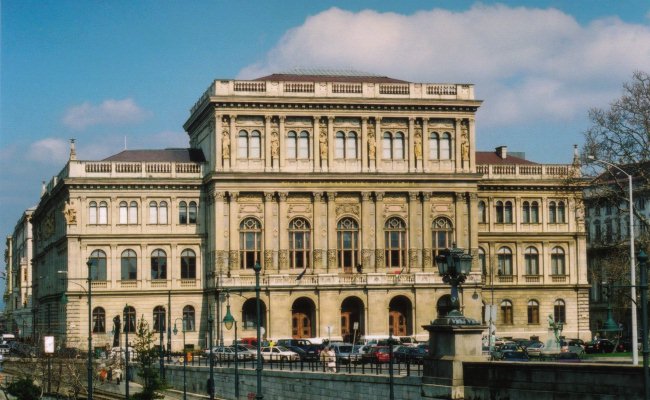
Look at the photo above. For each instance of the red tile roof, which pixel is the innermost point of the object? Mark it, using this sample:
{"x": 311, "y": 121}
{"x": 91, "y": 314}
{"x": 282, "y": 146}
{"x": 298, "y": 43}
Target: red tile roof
{"x": 490, "y": 157}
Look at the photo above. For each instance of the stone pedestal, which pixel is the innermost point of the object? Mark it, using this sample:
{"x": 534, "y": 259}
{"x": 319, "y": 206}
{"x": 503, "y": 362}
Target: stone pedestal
{"x": 449, "y": 346}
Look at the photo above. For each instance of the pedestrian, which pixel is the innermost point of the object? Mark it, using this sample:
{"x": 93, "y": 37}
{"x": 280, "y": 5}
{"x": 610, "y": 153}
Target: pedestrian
{"x": 331, "y": 360}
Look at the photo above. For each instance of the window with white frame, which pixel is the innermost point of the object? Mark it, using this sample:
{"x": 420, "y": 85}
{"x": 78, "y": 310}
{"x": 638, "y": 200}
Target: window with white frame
{"x": 188, "y": 264}
{"x": 158, "y": 213}
{"x": 128, "y": 212}
{"x": 97, "y": 262}
{"x": 129, "y": 264}
{"x": 557, "y": 261}
{"x": 250, "y": 243}
{"x": 249, "y": 144}
{"x": 187, "y": 213}
{"x": 393, "y": 146}
{"x": 189, "y": 316}
{"x": 506, "y": 312}
{"x": 439, "y": 146}
{"x": 482, "y": 212}
{"x": 299, "y": 243}
{"x": 531, "y": 258}
{"x": 504, "y": 260}
{"x": 533, "y": 312}
{"x": 159, "y": 319}
{"x": 442, "y": 233}
{"x": 395, "y": 242}
{"x": 158, "y": 264}
{"x": 345, "y": 145}
{"x": 347, "y": 239}
{"x": 559, "y": 311}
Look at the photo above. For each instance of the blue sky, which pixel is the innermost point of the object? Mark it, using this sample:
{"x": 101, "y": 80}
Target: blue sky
{"x": 103, "y": 71}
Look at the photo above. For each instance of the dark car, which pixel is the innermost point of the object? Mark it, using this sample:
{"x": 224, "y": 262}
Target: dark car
{"x": 312, "y": 350}
{"x": 599, "y": 346}
{"x": 411, "y": 355}
{"x": 506, "y": 348}
{"x": 567, "y": 357}
{"x": 515, "y": 356}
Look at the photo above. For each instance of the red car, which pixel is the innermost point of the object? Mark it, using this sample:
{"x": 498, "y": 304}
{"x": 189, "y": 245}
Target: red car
{"x": 377, "y": 355}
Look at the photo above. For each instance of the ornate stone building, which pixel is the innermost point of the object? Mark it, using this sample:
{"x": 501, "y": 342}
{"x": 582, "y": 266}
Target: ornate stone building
{"x": 343, "y": 188}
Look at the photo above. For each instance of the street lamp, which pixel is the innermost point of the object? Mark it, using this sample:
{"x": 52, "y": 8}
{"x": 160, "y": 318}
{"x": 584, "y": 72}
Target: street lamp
{"x": 454, "y": 265}
{"x": 184, "y": 356}
{"x": 635, "y": 351}
{"x": 161, "y": 353}
{"x": 257, "y": 268}
{"x": 228, "y": 322}
{"x": 643, "y": 260}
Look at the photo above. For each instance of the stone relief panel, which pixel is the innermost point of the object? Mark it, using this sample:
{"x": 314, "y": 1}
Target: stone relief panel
{"x": 245, "y": 209}
{"x": 222, "y": 259}
{"x": 70, "y": 212}
{"x": 342, "y": 209}
{"x": 268, "y": 258}
{"x": 413, "y": 257}
{"x": 331, "y": 257}
{"x": 234, "y": 259}
{"x": 306, "y": 122}
{"x": 366, "y": 254}
{"x": 283, "y": 255}
{"x": 426, "y": 257}
{"x": 348, "y": 122}
{"x": 301, "y": 209}
{"x": 441, "y": 124}
{"x": 249, "y": 120}
{"x": 318, "y": 258}
{"x": 379, "y": 258}
{"x": 394, "y": 123}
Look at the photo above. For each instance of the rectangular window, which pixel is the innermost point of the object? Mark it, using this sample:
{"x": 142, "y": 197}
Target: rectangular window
{"x": 124, "y": 217}
{"x": 133, "y": 213}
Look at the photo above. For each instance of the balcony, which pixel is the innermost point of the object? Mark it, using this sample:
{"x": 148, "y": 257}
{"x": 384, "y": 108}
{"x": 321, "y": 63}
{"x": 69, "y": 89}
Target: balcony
{"x": 527, "y": 171}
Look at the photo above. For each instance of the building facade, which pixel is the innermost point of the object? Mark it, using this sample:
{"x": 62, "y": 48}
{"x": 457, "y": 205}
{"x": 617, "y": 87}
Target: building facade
{"x": 343, "y": 188}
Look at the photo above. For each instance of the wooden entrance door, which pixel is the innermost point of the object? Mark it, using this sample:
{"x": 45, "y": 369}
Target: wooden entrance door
{"x": 346, "y": 325}
{"x": 397, "y": 323}
{"x": 300, "y": 325}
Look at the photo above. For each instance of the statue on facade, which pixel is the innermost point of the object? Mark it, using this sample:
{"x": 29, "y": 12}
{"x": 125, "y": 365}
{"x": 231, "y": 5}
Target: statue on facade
{"x": 116, "y": 334}
{"x": 69, "y": 213}
{"x": 464, "y": 144}
{"x": 225, "y": 144}
{"x": 323, "y": 144}
{"x": 371, "y": 142}
{"x": 418, "y": 144}
{"x": 275, "y": 145}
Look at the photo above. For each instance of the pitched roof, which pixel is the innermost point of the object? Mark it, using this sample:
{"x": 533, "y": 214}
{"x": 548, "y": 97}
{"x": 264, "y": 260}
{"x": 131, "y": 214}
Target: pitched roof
{"x": 490, "y": 157}
{"x": 328, "y": 75}
{"x": 166, "y": 155}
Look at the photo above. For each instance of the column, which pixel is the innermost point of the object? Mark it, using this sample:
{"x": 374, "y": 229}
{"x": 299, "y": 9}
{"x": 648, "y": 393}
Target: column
{"x": 364, "y": 144}
{"x": 320, "y": 231}
{"x": 472, "y": 218}
{"x": 283, "y": 240}
{"x": 376, "y": 142}
{"x": 233, "y": 142}
{"x": 415, "y": 230}
{"x": 233, "y": 241}
{"x": 216, "y": 157}
{"x": 459, "y": 210}
{"x": 267, "y": 143}
{"x": 269, "y": 228}
{"x": 330, "y": 139}
{"x": 410, "y": 143}
{"x": 221, "y": 242}
{"x": 316, "y": 158}
{"x": 367, "y": 232}
{"x": 455, "y": 142}
{"x": 427, "y": 239}
{"x": 425, "y": 144}
{"x": 283, "y": 148}
{"x": 379, "y": 231}
{"x": 331, "y": 232}
{"x": 472, "y": 143}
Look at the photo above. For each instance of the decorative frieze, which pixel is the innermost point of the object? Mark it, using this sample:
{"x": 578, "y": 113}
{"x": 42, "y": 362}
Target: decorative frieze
{"x": 366, "y": 255}
{"x": 331, "y": 257}
{"x": 234, "y": 259}
{"x": 343, "y": 209}
{"x": 318, "y": 258}
{"x": 379, "y": 258}
{"x": 268, "y": 258}
{"x": 283, "y": 256}
{"x": 302, "y": 209}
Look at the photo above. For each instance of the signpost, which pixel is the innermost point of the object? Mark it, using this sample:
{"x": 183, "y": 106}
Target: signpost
{"x": 48, "y": 348}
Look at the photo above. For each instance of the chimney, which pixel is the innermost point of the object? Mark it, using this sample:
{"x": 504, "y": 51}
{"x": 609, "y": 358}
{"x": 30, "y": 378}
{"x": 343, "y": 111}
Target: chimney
{"x": 502, "y": 152}
{"x": 73, "y": 151}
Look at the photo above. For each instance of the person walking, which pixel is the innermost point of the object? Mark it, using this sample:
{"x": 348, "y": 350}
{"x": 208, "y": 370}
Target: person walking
{"x": 331, "y": 360}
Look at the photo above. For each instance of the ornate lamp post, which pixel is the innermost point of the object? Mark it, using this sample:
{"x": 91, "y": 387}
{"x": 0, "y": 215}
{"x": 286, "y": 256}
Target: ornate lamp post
{"x": 184, "y": 356}
{"x": 454, "y": 265}
{"x": 228, "y": 322}
{"x": 211, "y": 379}
{"x": 257, "y": 268}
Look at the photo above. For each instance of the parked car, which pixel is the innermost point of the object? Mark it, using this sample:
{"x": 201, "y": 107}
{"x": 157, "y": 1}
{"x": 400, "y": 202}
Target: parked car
{"x": 227, "y": 353}
{"x": 4, "y": 348}
{"x": 599, "y": 346}
{"x": 376, "y": 355}
{"x": 408, "y": 354}
{"x": 571, "y": 346}
{"x": 506, "y": 348}
{"x": 279, "y": 353}
{"x": 535, "y": 349}
{"x": 346, "y": 353}
{"x": 251, "y": 351}
{"x": 517, "y": 356}
{"x": 312, "y": 350}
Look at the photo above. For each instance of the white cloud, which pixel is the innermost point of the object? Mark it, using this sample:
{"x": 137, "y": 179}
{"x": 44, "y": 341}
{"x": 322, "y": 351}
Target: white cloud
{"x": 49, "y": 151}
{"x": 527, "y": 64}
{"x": 109, "y": 112}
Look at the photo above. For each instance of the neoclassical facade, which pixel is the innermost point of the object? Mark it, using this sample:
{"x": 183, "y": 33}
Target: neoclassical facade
{"x": 343, "y": 188}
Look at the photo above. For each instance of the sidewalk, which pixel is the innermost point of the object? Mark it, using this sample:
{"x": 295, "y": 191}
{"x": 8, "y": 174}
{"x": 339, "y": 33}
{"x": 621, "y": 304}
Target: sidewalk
{"x": 170, "y": 394}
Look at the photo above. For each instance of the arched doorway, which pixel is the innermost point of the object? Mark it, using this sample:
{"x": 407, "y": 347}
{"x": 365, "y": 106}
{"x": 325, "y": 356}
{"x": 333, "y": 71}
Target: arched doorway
{"x": 444, "y": 305}
{"x": 352, "y": 314}
{"x": 303, "y": 318}
{"x": 400, "y": 322}
{"x": 249, "y": 315}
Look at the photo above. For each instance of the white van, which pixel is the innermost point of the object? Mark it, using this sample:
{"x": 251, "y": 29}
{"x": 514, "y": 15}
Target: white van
{"x": 8, "y": 337}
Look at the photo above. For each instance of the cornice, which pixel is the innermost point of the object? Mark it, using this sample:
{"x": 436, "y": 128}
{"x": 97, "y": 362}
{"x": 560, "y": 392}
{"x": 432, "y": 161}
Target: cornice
{"x": 167, "y": 185}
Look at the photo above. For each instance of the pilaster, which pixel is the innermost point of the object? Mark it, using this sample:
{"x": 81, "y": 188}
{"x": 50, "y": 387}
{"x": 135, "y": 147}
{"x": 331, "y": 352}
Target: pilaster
{"x": 233, "y": 142}
{"x": 283, "y": 146}
{"x": 425, "y": 144}
{"x": 330, "y": 139}
{"x": 427, "y": 238}
{"x": 331, "y": 231}
{"x": 283, "y": 228}
{"x": 269, "y": 228}
{"x": 267, "y": 143}
{"x": 320, "y": 230}
{"x": 411, "y": 144}
{"x": 367, "y": 231}
{"x": 234, "y": 237}
{"x": 415, "y": 230}
{"x": 364, "y": 144}
{"x": 455, "y": 145}
{"x": 379, "y": 225}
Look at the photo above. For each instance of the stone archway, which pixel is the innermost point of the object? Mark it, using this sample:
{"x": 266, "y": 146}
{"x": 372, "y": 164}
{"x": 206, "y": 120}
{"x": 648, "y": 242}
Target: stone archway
{"x": 400, "y": 316}
{"x": 352, "y": 314}
{"x": 303, "y": 318}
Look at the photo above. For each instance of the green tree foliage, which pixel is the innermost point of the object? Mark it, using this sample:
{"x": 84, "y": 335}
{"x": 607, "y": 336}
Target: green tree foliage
{"x": 147, "y": 357}
{"x": 24, "y": 389}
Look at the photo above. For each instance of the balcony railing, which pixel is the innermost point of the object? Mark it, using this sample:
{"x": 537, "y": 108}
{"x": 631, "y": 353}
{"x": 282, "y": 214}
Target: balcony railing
{"x": 527, "y": 171}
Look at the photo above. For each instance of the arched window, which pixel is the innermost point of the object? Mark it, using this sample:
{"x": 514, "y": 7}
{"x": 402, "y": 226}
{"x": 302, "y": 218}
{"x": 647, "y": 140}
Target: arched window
{"x": 153, "y": 212}
{"x": 561, "y": 217}
{"x": 525, "y": 212}
{"x": 442, "y": 233}
{"x": 159, "y": 319}
{"x": 559, "y": 311}
{"x": 158, "y": 264}
{"x": 124, "y": 212}
{"x": 97, "y": 265}
{"x": 351, "y": 146}
{"x": 531, "y": 257}
{"x": 99, "y": 320}
{"x": 242, "y": 144}
{"x": 133, "y": 212}
{"x": 250, "y": 243}
{"x": 182, "y": 212}
{"x": 445, "y": 146}
{"x": 129, "y": 261}
{"x": 387, "y": 146}
{"x": 162, "y": 213}
{"x": 292, "y": 144}
{"x": 482, "y": 260}
{"x": 482, "y": 212}
{"x": 507, "y": 214}
{"x": 128, "y": 317}
{"x": 395, "y": 242}
{"x": 506, "y": 312}
{"x": 499, "y": 211}
{"x": 92, "y": 212}
{"x": 188, "y": 264}
{"x": 534, "y": 212}
{"x": 303, "y": 145}
{"x": 347, "y": 240}
{"x": 552, "y": 210}
{"x": 533, "y": 312}
{"x": 557, "y": 261}
{"x": 339, "y": 149}
{"x": 192, "y": 212}
{"x": 255, "y": 145}
{"x": 433, "y": 146}
{"x": 189, "y": 316}
{"x": 504, "y": 259}
{"x": 103, "y": 213}
{"x": 299, "y": 243}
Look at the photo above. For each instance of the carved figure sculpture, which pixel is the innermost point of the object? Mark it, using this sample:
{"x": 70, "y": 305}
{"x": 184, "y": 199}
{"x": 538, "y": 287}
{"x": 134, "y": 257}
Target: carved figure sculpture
{"x": 69, "y": 213}
{"x": 371, "y": 143}
{"x": 323, "y": 143}
{"x": 418, "y": 145}
{"x": 464, "y": 145}
{"x": 275, "y": 145}
{"x": 225, "y": 144}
